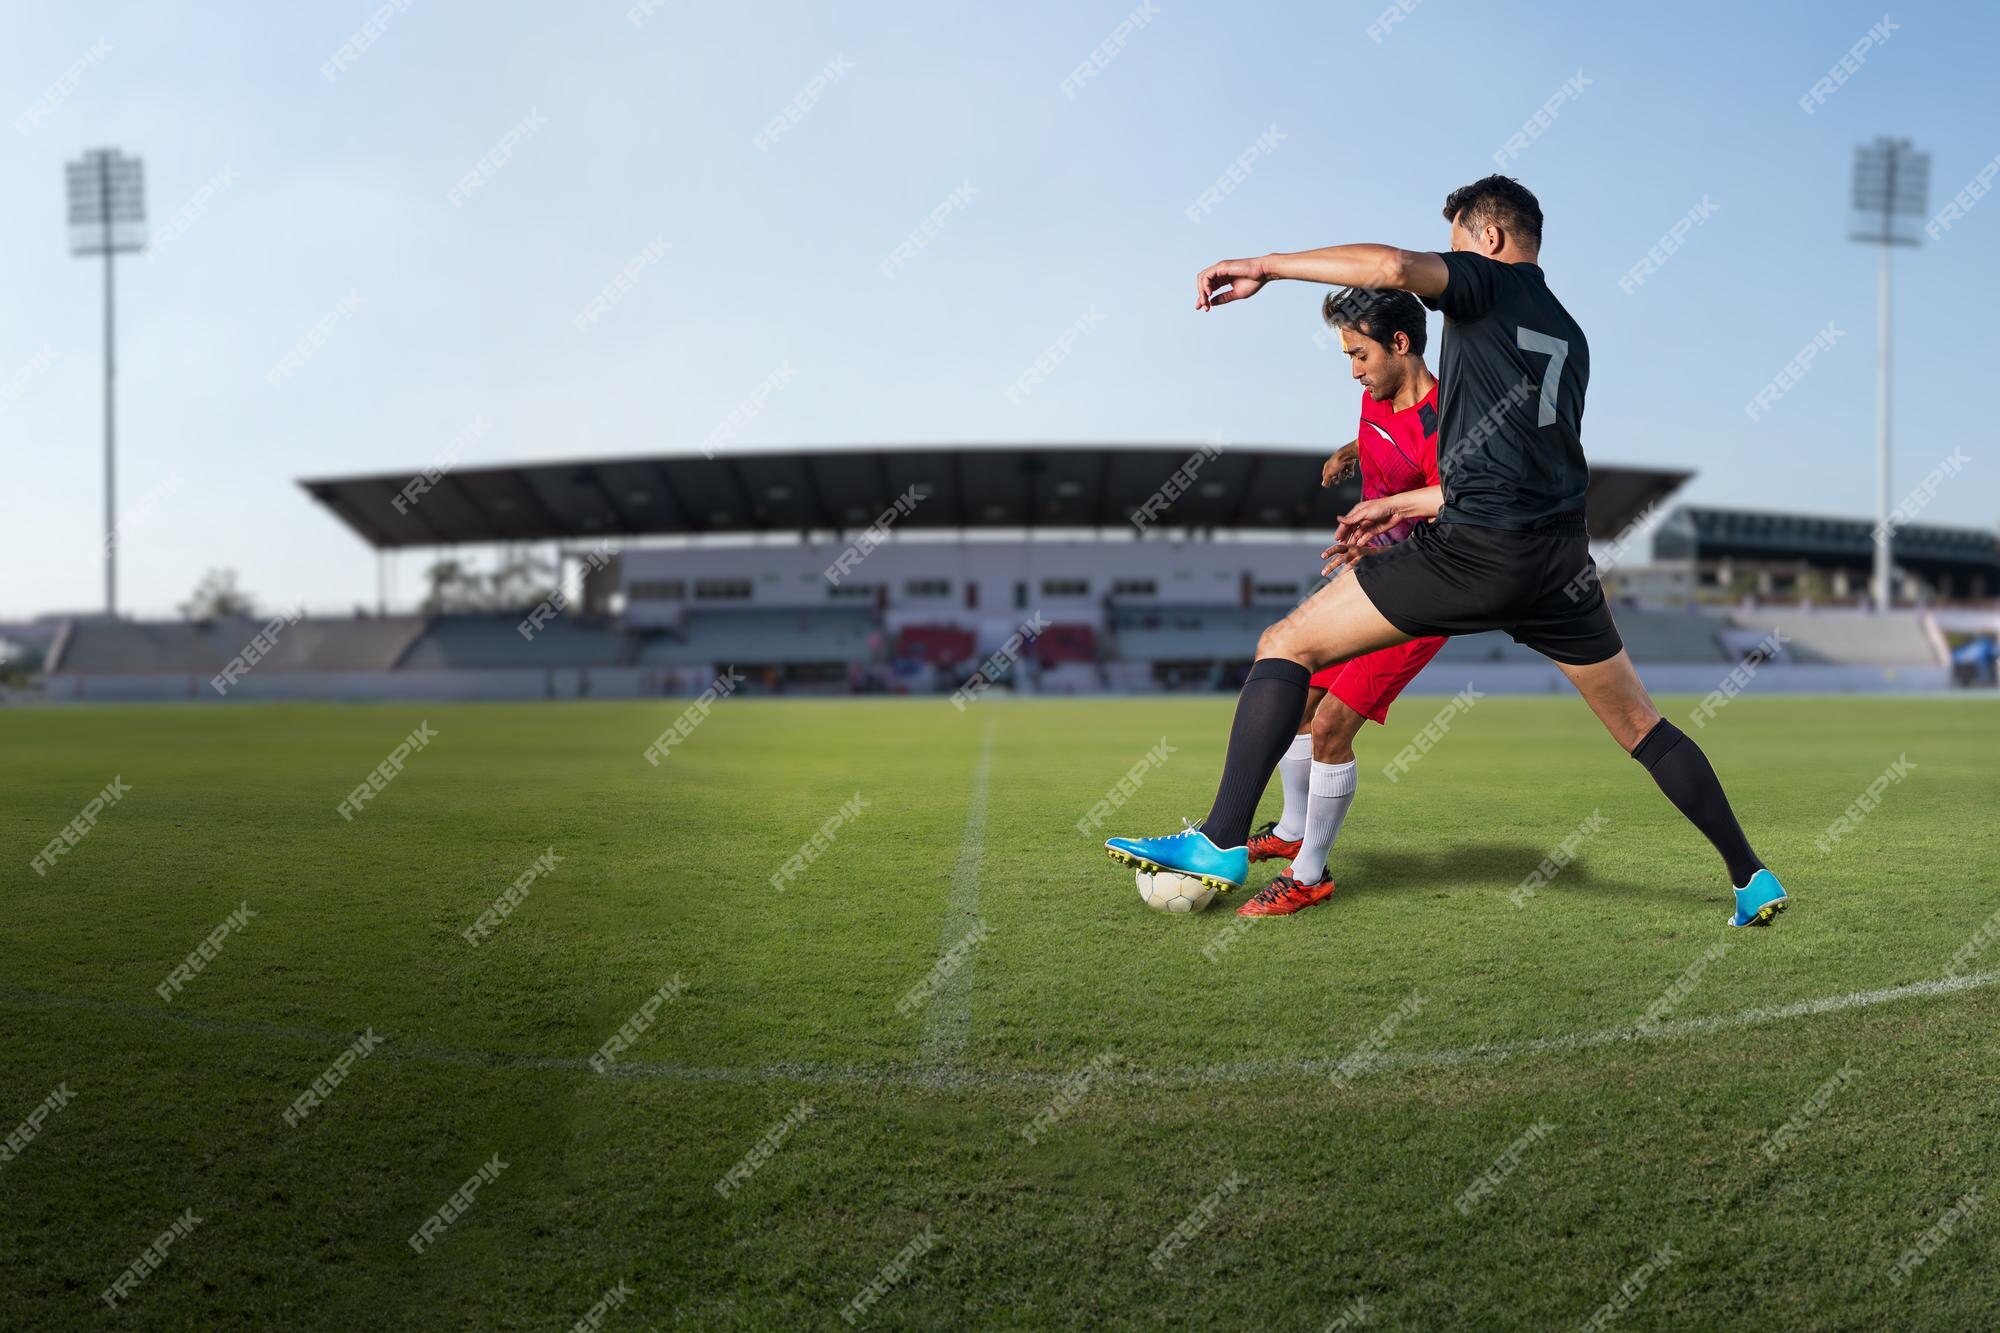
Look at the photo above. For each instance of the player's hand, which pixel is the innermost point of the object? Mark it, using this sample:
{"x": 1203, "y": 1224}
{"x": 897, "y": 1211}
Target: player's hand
{"x": 1230, "y": 280}
{"x": 1365, "y": 521}
{"x": 1340, "y": 555}
{"x": 1341, "y": 466}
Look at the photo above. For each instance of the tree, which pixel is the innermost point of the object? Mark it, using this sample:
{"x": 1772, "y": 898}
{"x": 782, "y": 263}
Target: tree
{"x": 217, "y": 596}
{"x": 453, "y": 587}
{"x": 521, "y": 581}
{"x": 518, "y": 582}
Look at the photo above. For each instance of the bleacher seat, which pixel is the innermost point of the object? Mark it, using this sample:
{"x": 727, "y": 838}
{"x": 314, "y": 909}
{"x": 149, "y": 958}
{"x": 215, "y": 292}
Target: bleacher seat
{"x": 765, "y": 637}
{"x": 939, "y": 645}
{"x": 127, "y": 647}
{"x": 1899, "y": 638}
{"x": 1190, "y": 633}
{"x": 1066, "y": 643}
{"x": 1671, "y": 635}
{"x": 497, "y": 641}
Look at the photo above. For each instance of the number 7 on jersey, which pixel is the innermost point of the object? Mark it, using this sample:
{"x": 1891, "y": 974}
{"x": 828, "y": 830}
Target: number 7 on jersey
{"x": 1557, "y": 351}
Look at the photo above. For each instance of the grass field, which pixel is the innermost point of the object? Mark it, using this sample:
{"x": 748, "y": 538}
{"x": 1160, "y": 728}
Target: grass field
{"x": 1185, "y": 1084}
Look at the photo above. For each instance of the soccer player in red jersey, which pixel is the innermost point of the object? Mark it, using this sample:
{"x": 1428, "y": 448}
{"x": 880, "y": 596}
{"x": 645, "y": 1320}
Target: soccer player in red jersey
{"x": 1382, "y": 333}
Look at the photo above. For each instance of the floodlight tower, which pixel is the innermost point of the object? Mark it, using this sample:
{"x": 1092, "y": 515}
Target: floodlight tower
{"x": 107, "y": 216}
{"x": 1892, "y": 185}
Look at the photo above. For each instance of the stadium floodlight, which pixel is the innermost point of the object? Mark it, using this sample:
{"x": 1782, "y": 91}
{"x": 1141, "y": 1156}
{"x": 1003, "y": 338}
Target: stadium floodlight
{"x": 107, "y": 216}
{"x": 1892, "y": 186}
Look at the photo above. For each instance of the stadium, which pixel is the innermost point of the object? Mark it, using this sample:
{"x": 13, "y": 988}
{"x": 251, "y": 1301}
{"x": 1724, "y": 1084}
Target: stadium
{"x": 643, "y": 864}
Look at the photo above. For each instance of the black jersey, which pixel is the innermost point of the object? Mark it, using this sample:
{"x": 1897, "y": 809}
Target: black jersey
{"x": 1511, "y": 378}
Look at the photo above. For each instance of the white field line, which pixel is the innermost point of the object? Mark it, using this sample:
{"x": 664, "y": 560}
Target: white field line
{"x": 948, "y": 1017}
{"x": 815, "y": 1072}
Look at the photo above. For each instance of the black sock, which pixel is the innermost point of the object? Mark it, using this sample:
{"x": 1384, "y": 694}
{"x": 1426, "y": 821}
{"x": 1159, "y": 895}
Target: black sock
{"x": 1685, "y": 775}
{"x": 1267, "y": 717}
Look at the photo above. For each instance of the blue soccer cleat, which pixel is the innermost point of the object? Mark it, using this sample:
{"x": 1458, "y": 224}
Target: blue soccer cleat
{"x": 1759, "y": 902}
{"x": 1186, "y": 853}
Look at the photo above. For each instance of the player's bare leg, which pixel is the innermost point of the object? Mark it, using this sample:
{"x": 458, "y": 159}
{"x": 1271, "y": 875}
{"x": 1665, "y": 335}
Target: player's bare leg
{"x": 1314, "y": 694}
{"x": 1614, "y": 692}
{"x": 1334, "y": 728}
{"x": 1334, "y": 624}
{"x": 1280, "y": 838}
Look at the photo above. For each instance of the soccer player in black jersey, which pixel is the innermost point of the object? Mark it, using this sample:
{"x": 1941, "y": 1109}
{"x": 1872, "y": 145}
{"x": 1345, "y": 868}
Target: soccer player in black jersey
{"x": 1508, "y": 549}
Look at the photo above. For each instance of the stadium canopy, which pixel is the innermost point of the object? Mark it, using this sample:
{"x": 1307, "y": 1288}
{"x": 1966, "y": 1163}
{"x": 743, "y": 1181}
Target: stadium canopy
{"x": 971, "y": 486}
{"x": 1946, "y": 557}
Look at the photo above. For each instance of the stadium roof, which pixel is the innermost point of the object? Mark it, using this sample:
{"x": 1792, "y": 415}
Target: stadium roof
{"x": 1705, "y": 532}
{"x": 975, "y": 486}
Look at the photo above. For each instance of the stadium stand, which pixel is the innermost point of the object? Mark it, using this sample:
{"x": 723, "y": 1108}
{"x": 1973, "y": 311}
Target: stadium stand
{"x": 1846, "y": 637}
{"x": 1064, "y": 643}
{"x": 734, "y": 574}
{"x": 97, "y": 646}
{"x": 1683, "y": 635}
{"x": 939, "y": 645}
{"x": 1189, "y": 633}
{"x": 498, "y": 641}
{"x": 841, "y": 649}
{"x": 766, "y": 637}
{"x": 346, "y": 645}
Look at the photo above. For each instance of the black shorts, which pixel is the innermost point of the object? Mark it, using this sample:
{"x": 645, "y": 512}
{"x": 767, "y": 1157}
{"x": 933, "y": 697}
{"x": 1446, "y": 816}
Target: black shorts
{"x": 1539, "y": 586}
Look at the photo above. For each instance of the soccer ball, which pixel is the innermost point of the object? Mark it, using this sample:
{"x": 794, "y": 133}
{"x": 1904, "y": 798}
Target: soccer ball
{"x": 1165, "y": 891}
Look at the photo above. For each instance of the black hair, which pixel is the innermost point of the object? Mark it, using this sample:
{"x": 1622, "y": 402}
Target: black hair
{"x": 1501, "y": 201}
{"x": 1377, "y": 312}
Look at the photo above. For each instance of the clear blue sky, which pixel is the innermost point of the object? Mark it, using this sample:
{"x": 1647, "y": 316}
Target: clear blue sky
{"x": 342, "y": 186}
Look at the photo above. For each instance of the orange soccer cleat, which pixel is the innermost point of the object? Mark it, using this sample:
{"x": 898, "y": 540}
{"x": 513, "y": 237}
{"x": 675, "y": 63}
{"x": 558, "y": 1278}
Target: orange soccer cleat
{"x": 1285, "y": 895}
{"x": 1266, "y": 845}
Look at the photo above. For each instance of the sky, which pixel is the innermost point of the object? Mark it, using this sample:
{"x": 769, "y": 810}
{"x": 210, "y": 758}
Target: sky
{"x": 883, "y": 214}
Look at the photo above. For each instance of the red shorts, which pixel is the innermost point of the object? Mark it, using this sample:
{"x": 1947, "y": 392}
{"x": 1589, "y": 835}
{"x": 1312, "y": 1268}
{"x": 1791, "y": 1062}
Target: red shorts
{"x": 1370, "y": 683}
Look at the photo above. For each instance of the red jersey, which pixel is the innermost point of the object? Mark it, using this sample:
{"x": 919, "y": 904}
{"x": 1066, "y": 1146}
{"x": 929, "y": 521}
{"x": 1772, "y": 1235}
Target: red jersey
{"x": 1399, "y": 452}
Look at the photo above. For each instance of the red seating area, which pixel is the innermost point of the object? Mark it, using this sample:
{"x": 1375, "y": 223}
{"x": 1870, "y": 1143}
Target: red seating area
{"x": 939, "y": 645}
{"x": 1066, "y": 643}
{"x": 950, "y": 646}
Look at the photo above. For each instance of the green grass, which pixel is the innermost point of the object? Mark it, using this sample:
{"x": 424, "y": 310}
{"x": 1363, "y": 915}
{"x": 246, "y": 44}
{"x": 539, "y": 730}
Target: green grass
{"x": 1346, "y": 1191}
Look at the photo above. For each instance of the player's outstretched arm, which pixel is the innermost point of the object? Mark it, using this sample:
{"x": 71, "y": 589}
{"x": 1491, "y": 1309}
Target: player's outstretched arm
{"x": 1416, "y": 271}
{"x": 1378, "y": 515}
{"x": 1363, "y": 522}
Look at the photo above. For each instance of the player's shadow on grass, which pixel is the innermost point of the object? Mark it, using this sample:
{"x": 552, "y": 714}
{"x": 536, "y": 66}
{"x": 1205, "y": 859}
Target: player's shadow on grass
{"x": 1481, "y": 865}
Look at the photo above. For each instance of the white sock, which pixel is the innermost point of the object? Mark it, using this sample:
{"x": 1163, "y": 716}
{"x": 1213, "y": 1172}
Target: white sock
{"x": 1331, "y": 791}
{"x": 1295, "y": 772}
